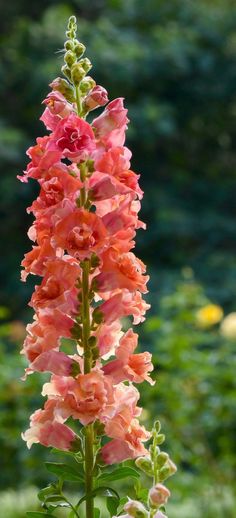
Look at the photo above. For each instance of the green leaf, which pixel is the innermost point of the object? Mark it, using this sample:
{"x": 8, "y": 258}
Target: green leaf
{"x": 96, "y": 512}
{"x": 103, "y": 491}
{"x": 49, "y": 490}
{"x": 112, "y": 505}
{"x": 119, "y": 474}
{"x": 64, "y": 471}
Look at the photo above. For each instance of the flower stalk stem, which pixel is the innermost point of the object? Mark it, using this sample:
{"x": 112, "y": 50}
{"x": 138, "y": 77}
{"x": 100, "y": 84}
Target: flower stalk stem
{"x": 89, "y": 432}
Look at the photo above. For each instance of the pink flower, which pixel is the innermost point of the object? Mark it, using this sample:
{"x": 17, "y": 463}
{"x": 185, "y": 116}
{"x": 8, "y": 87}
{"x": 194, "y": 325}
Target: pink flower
{"x": 57, "y": 108}
{"x": 108, "y": 338}
{"x": 47, "y": 430}
{"x": 128, "y": 366}
{"x": 102, "y": 186}
{"x": 136, "y": 509}
{"x": 74, "y": 138}
{"x": 80, "y": 233}
{"x": 44, "y": 333}
{"x": 158, "y": 495}
{"x": 123, "y": 271}
{"x": 42, "y": 157}
{"x": 53, "y": 361}
{"x": 130, "y": 447}
{"x": 35, "y": 261}
{"x": 58, "y": 288}
{"x": 83, "y": 398}
{"x": 96, "y": 97}
{"x": 110, "y": 126}
{"x": 123, "y": 304}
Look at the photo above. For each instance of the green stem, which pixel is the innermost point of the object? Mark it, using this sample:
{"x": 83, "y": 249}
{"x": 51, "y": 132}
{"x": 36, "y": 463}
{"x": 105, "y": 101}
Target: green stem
{"x": 78, "y": 100}
{"x": 89, "y": 432}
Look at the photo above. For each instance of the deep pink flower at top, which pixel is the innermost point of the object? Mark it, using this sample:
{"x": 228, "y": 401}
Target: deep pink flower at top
{"x": 48, "y": 430}
{"x": 44, "y": 332}
{"x": 74, "y": 138}
{"x": 96, "y": 97}
{"x": 57, "y": 108}
{"x": 43, "y": 157}
{"x": 83, "y": 398}
{"x": 58, "y": 288}
{"x": 121, "y": 271}
{"x": 129, "y": 366}
{"x": 80, "y": 233}
{"x": 123, "y": 304}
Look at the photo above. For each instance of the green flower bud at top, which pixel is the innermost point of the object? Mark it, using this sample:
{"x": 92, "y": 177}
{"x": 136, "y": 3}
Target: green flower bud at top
{"x": 87, "y": 84}
{"x": 145, "y": 464}
{"x": 79, "y": 49}
{"x": 69, "y": 45}
{"x": 69, "y": 58}
{"x": 157, "y": 426}
{"x": 77, "y": 73}
{"x": 161, "y": 459}
{"x": 86, "y": 64}
{"x": 72, "y": 21}
{"x": 160, "y": 438}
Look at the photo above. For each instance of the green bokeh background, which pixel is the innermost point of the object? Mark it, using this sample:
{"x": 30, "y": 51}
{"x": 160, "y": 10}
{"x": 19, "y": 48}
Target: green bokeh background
{"x": 175, "y": 63}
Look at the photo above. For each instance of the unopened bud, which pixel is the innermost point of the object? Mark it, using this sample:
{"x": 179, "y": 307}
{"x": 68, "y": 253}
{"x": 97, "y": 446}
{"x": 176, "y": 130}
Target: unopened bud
{"x": 94, "y": 261}
{"x": 86, "y": 64}
{"x": 69, "y": 58}
{"x": 71, "y": 21}
{"x": 164, "y": 473}
{"x": 136, "y": 509}
{"x": 77, "y": 73}
{"x": 145, "y": 464}
{"x": 96, "y": 97}
{"x": 87, "y": 84}
{"x": 66, "y": 71}
{"x": 61, "y": 85}
{"x": 157, "y": 426}
{"x": 158, "y": 495}
{"x": 160, "y": 438}
{"x": 69, "y": 45}
{"x": 171, "y": 466}
{"x": 79, "y": 49}
{"x": 161, "y": 459}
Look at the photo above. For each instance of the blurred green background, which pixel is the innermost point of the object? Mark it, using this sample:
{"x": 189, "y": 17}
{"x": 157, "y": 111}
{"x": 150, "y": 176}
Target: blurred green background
{"x": 175, "y": 63}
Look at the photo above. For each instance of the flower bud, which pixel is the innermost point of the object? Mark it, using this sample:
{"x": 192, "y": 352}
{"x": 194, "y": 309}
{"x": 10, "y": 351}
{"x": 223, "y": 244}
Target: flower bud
{"x": 171, "y": 466}
{"x": 87, "y": 84}
{"x": 136, "y": 509}
{"x": 96, "y": 97}
{"x": 66, "y": 71}
{"x": 160, "y": 438}
{"x": 157, "y": 426}
{"x": 79, "y": 49}
{"x": 161, "y": 459}
{"x": 145, "y": 464}
{"x": 85, "y": 64}
{"x": 61, "y": 85}
{"x": 158, "y": 495}
{"x": 159, "y": 514}
{"x": 69, "y": 58}
{"x": 77, "y": 73}
{"x": 69, "y": 45}
{"x": 71, "y": 21}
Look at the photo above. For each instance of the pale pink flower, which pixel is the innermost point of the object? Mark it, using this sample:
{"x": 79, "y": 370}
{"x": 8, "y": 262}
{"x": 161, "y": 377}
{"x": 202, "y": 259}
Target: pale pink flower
{"x": 158, "y": 495}
{"x": 102, "y": 186}
{"x": 111, "y": 125}
{"x": 136, "y": 509}
{"x": 74, "y": 138}
{"x": 128, "y": 366}
{"x": 47, "y": 430}
{"x": 96, "y": 97}
{"x": 130, "y": 447}
{"x": 123, "y": 304}
{"x": 57, "y": 108}
{"x": 53, "y": 361}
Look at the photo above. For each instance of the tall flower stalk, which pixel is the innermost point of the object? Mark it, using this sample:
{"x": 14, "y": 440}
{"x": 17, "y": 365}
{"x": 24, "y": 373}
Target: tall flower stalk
{"x": 86, "y": 217}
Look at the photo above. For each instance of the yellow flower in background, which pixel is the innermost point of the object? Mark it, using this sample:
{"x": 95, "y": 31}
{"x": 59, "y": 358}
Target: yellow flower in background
{"x": 209, "y": 315}
{"x": 228, "y": 326}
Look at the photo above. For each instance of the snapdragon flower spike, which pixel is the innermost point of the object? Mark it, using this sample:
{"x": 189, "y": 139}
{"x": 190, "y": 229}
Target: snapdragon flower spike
{"x": 86, "y": 218}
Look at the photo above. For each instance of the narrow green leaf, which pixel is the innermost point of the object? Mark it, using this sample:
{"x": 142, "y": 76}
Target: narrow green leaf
{"x": 96, "y": 513}
{"x": 49, "y": 490}
{"x": 119, "y": 474}
{"x": 64, "y": 471}
{"x": 103, "y": 491}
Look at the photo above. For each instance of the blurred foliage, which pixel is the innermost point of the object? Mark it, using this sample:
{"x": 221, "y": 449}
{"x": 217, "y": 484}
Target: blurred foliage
{"x": 175, "y": 63}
